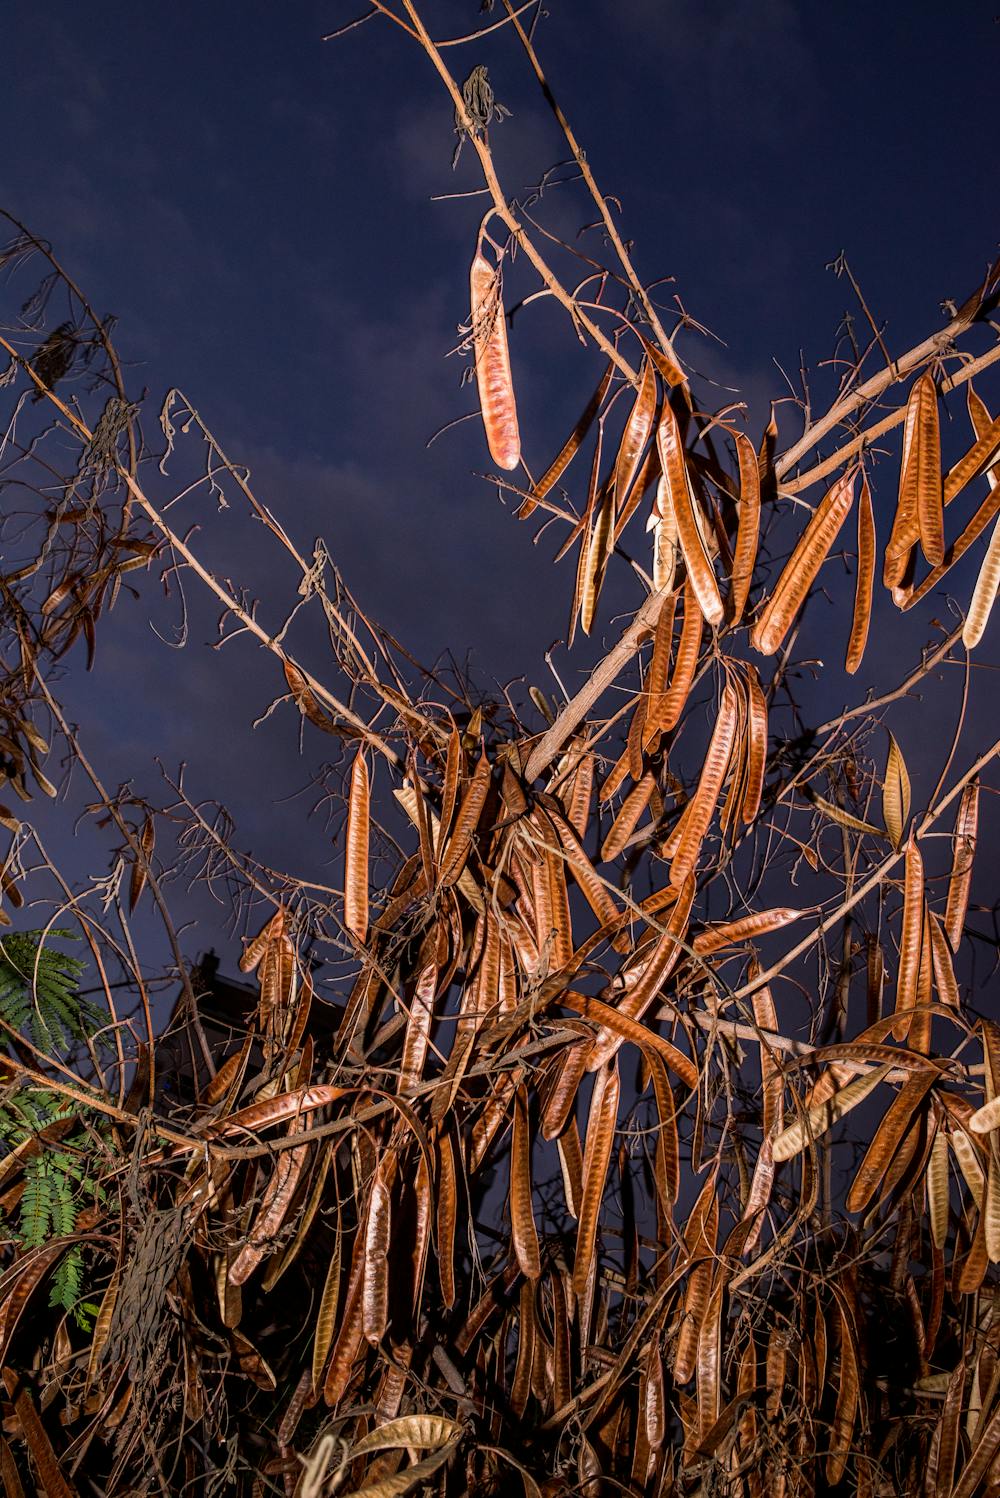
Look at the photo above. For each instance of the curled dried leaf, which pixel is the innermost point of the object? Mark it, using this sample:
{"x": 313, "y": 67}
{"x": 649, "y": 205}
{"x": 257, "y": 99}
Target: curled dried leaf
{"x": 895, "y": 793}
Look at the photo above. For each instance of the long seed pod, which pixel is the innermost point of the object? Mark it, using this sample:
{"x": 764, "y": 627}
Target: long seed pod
{"x": 649, "y": 473}
{"x": 350, "y": 1332}
{"x": 522, "y": 1219}
{"x": 496, "y": 387}
{"x": 733, "y": 933}
{"x": 848, "y": 1400}
{"x": 456, "y": 854}
{"x": 684, "y": 504}
{"x": 601, "y": 1126}
{"x": 326, "y": 1316}
{"x": 562, "y": 1374}
{"x": 655, "y": 684}
{"x": 667, "y": 1161}
{"x": 595, "y": 566}
{"x": 570, "y": 1071}
{"x": 705, "y": 799}
{"x": 663, "y": 524}
{"x": 937, "y": 1189}
{"x": 378, "y": 1232}
{"x": 823, "y": 1115}
{"x": 865, "y": 580}
{"x": 447, "y": 1217}
{"x": 969, "y": 536}
{"x": 800, "y": 570}
{"x": 627, "y": 820}
{"x": 571, "y": 1166}
{"x": 991, "y": 1209}
{"x": 418, "y": 1027}
{"x": 756, "y": 747}
{"x": 909, "y": 940}
{"x": 985, "y": 592}
{"x": 583, "y": 529}
{"x": 737, "y": 773}
{"x": 922, "y": 468}
{"x": 649, "y": 979}
{"x": 685, "y": 666}
{"x": 521, "y": 1383}
{"x": 589, "y": 882}
{"x": 748, "y": 532}
{"x": 968, "y": 1163}
{"x": 887, "y": 1139}
{"x": 274, "y": 1207}
{"x": 944, "y": 969}
{"x": 710, "y": 1359}
{"x": 569, "y": 449}
{"x": 982, "y": 455}
{"x": 916, "y": 478}
{"x": 635, "y": 435}
{"x": 356, "y": 858}
{"x": 577, "y": 797}
{"x": 963, "y": 854}
{"x": 696, "y": 1295}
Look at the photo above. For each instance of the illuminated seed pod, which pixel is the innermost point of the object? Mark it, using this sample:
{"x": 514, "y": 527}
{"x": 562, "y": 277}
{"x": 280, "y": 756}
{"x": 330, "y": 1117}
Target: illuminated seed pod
{"x": 493, "y": 377}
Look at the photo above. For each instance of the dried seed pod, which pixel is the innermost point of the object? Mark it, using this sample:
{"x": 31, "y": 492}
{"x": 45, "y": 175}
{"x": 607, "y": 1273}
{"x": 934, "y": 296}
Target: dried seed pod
{"x": 910, "y": 940}
{"x": 802, "y": 566}
{"x": 865, "y": 580}
{"x": 966, "y": 826}
{"x": 685, "y": 509}
{"x": 748, "y": 534}
{"x": 496, "y": 387}
{"x": 356, "y": 859}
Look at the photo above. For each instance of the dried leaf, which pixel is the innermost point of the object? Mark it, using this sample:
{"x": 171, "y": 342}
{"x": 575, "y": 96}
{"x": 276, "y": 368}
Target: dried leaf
{"x": 569, "y": 449}
{"x": 147, "y": 841}
{"x": 895, "y": 793}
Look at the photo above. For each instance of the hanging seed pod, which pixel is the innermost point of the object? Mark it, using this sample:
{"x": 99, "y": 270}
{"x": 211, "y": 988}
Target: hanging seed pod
{"x": 496, "y": 387}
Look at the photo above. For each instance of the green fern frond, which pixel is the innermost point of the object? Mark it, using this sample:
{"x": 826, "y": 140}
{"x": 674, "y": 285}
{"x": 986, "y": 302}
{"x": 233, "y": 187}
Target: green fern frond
{"x": 40, "y": 998}
{"x": 39, "y": 990}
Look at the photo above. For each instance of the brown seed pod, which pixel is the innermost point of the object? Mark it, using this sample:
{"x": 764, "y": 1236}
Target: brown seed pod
{"x": 748, "y": 534}
{"x": 966, "y": 827}
{"x": 802, "y": 566}
{"x": 356, "y": 858}
{"x": 865, "y": 580}
{"x": 675, "y": 471}
{"x": 493, "y": 376}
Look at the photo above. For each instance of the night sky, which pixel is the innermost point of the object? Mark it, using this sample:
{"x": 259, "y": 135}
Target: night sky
{"x": 254, "y": 205}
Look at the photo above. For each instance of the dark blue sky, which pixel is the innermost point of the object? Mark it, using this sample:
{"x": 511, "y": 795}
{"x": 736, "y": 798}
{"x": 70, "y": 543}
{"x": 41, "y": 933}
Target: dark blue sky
{"x": 254, "y": 205}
